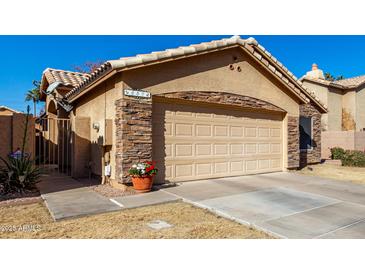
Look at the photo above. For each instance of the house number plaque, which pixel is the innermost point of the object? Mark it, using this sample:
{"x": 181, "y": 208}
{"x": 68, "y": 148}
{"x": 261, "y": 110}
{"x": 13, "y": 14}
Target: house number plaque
{"x": 137, "y": 93}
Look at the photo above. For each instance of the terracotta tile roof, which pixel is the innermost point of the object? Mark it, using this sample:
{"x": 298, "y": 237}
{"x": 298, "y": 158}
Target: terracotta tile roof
{"x": 250, "y": 45}
{"x": 323, "y": 82}
{"x": 351, "y": 82}
{"x": 67, "y": 78}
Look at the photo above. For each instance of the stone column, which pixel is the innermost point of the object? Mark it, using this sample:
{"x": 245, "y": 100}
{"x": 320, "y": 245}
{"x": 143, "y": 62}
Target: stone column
{"x": 293, "y": 142}
{"x": 133, "y": 134}
{"x": 313, "y": 155}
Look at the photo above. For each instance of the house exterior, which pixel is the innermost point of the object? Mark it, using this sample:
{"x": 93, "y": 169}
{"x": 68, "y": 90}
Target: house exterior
{"x": 215, "y": 109}
{"x": 12, "y": 124}
{"x": 53, "y": 140}
{"x": 344, "y": 124}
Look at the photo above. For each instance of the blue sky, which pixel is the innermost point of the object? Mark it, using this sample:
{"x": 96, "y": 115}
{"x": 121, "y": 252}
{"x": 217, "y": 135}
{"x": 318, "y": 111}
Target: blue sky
{"x": 23, "y": 58}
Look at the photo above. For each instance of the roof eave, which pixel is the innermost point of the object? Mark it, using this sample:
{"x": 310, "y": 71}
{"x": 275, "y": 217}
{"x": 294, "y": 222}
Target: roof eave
{"x": 297, "y": 83}
{"x": 301, "y": 99}
{"x": 91, "y": 85}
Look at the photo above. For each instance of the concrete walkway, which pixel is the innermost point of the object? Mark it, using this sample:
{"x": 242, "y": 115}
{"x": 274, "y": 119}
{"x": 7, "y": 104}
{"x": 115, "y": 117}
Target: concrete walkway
{"x": 284, "y": 204}
{"x": 69, "y": 198}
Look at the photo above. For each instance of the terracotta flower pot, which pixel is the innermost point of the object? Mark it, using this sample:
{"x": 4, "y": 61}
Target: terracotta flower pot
{"x": 142, "y": 184}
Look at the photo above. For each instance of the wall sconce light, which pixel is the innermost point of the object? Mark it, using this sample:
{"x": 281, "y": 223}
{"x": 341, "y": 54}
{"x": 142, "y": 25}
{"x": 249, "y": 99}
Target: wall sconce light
{"x": 96, "y": 126}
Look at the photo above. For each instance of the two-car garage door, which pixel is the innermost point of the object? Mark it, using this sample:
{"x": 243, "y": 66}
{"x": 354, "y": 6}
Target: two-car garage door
{"x": 193, "y": 142}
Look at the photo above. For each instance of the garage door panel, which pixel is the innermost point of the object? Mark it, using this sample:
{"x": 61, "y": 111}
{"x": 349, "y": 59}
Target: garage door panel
{"x": 204, "y": 169}
{"x": 183, "y": 130}
{"x": 251, "y": 165}
{"x": 198, "y": 143}
{"x": 237, "y": 166}
{"x": 237, "y": 131}
{"x": 275, "y": 132}
{"x": 220, "y": 149}
{"x": 202, "y": 150}
{"x": 203, "y": 130}
{"x": 250, "y": 148}
{"x": 264, "y": 132}
{"x": 264, "y": 164}
{"x": 184, "y": 170}
{"x": 276, "y": 148}
{"x": 237, "y": 149}
{"x": 184, "y": 150}
{"x": 276, "y": 163}
{"x": 263, "y": 148}
{"x": 221, "y": 167}
{"x": 250, "y": 131}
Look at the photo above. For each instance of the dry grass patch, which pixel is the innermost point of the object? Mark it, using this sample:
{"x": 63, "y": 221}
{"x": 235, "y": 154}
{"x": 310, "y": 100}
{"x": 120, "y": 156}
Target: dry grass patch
{"x": 188, "y": 222}
{"x": 353, "y": 174}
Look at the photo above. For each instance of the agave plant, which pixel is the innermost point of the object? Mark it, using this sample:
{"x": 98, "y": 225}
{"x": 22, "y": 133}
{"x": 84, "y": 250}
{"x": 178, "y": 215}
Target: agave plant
{"x": 18, "y": 174}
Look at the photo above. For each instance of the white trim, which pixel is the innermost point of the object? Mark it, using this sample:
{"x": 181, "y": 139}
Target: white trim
{"x": 9, "y": 109}
{"x": 117, "y": 203}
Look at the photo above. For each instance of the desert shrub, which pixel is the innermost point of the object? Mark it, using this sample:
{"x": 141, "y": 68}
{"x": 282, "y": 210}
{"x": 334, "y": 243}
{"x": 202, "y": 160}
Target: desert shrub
{"x": 337, "y": 153}
{"x": 353, "y": 158}
{"x": 18, "y": 175}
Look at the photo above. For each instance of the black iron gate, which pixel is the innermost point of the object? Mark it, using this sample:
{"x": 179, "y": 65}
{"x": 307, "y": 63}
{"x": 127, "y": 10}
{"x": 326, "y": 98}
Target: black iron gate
{"x": 53, "y": 145}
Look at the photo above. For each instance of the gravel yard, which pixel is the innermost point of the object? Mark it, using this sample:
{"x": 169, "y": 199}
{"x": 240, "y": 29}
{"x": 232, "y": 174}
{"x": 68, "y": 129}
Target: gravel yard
{"x": 30, "y": 196}
{"x": 353, "y": 174}
{"x": 110, "y": 192}
{"x": 187, "y": 221}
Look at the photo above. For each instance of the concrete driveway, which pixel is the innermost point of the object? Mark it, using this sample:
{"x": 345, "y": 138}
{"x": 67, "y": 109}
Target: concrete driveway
{"x": 287, "y": 205}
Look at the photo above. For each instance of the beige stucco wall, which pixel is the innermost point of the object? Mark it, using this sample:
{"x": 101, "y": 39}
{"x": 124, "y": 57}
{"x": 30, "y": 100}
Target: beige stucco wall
{"x": 6, "y": 122}
{"x": 12, "y": 132}
{"x": 353, "y": 101}
{"x": 211, "y": 72}
{"x": 322, "y": 93}
{"x": 360, "y": 109}
{"x": 350, "y": 140}
{"x": 334, "y": 115}
{"x": 320, "y": 90}
{"x": 98, "y": 105}
{"x": 333, "y": 98}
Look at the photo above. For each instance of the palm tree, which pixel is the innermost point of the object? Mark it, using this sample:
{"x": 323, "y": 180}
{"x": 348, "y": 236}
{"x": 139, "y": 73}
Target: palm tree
{"x": 329, "y": 77}
{"x": 34, "y": 95}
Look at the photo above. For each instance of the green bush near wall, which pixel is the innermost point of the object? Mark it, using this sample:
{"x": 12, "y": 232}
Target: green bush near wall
{"x": 337, "y": 153}
{"x": 349, "y": 157}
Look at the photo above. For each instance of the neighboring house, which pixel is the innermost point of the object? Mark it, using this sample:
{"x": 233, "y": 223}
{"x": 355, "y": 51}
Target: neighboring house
{"x": 12, "y": 124}
{"x": 6, "y": 111}
{"x": 344, "y": 123}
{"x": 215, "y": 109}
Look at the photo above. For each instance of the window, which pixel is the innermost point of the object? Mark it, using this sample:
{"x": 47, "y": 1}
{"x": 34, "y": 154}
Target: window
{"x": 305, "y": 129}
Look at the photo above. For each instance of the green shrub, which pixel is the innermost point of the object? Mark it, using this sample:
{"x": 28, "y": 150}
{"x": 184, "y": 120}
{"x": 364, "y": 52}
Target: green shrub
{"x": 18, "y": 175}
{"x": 353, "y": 158}
{"x": 337, "y": 153}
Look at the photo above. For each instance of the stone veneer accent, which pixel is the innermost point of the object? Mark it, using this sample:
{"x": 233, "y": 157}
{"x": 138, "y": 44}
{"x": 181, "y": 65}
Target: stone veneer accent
{"x": 134, "y": 127}
{"x": 133, "y": 134}
{"x": 293, "y": 142}
{"x": 222, "y": 98}
{"x": 314, "y": 155}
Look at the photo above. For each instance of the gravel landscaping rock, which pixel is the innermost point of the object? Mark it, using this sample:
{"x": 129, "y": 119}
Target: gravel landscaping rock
{"x": 110, "y": 192}
{"x": 28, "y": 197}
